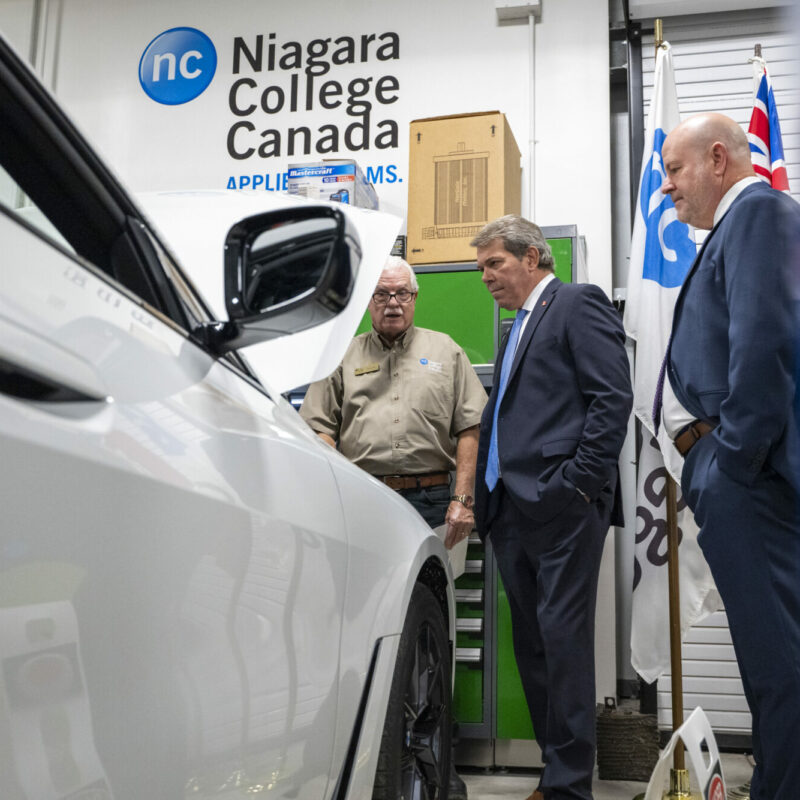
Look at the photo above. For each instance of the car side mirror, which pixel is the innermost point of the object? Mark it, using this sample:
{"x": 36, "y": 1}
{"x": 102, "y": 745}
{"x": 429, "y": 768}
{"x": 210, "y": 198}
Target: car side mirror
{"x": 285, "y": 271}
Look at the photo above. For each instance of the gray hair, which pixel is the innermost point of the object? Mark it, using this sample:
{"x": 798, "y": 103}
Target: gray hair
{"x": 395, "y": 262}
{"x": 517, "y": 235}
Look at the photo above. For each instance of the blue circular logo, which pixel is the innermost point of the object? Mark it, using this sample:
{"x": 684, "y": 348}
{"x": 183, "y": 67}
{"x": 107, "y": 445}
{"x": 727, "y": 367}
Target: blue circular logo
{"x": 177, "y": 66}
{"x": 423, "y": 361}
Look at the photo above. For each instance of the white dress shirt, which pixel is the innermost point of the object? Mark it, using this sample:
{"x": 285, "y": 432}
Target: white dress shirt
{"x": 532, "y": 299}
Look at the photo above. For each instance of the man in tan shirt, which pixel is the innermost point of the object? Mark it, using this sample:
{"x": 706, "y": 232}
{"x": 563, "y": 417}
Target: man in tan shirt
{"x": 405, "y": 405}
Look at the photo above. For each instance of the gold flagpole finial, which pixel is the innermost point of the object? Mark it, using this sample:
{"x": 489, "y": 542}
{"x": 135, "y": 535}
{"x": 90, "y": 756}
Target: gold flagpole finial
{"x": 659, "y": 34}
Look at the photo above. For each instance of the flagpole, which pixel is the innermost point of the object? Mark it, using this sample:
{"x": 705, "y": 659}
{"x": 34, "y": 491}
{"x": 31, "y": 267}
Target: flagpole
{"x": 679, "y": 775}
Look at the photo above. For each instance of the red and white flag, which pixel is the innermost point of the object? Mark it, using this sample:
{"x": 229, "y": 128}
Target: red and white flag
{"x": 764, "y": 133}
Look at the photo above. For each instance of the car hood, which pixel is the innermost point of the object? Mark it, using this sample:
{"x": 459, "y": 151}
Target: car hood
{"x": 193, "y": 225}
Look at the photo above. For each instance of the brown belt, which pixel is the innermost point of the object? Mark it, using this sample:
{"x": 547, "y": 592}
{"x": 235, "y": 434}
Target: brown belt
{"x": 415, "y": 481}
{"x": 686, "y": 439}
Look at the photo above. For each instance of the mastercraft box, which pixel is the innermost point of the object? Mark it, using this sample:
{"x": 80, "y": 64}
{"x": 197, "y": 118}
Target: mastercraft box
{"x": 464, "y": 171}
{"x": 334, "y": 179}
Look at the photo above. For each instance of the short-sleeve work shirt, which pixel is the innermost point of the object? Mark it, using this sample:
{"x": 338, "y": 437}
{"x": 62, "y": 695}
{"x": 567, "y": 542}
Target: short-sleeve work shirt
{"x": 398, "y": 409}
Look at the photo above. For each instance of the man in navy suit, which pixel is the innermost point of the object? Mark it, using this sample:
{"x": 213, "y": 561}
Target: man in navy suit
{"x": 547, "y": 486}
{"x": 732, "y": 366}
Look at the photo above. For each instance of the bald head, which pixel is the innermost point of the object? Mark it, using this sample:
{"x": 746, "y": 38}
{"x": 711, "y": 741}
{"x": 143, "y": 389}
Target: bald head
{"x": 702, "y": 131}
{"x": 703, "y": 157}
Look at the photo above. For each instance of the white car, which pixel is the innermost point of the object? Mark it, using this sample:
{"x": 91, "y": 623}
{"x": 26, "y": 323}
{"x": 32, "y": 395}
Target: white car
{"x": 197, "y": 597}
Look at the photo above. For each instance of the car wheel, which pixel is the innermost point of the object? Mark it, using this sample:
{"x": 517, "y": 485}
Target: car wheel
{"x": 414, "y": 759}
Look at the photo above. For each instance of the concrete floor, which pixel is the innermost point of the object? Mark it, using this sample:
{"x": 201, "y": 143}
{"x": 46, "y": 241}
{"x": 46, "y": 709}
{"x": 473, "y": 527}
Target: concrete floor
{"x": 483, "y": 785}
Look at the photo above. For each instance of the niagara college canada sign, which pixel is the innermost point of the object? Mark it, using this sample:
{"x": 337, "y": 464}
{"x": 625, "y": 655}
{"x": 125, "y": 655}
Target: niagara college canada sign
{"x": 300, "y": 79}
{"x": 276, "y": 86}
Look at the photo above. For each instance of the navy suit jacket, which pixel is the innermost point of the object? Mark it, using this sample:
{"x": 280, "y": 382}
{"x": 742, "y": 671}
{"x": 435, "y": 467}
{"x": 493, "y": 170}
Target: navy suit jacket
{"x": 564, "y": 414}
{"x": 733, "y": 357}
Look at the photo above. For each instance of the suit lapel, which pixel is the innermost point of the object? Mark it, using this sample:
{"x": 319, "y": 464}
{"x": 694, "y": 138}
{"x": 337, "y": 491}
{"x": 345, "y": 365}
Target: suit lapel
{"x": 698, "y": 257}
{"x": 537, "y": 313}
{"x": 755, "y": 187}
{"x": 498, "y": 365}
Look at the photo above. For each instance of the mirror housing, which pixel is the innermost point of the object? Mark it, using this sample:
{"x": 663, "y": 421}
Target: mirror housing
{"x": 285, "y": 271}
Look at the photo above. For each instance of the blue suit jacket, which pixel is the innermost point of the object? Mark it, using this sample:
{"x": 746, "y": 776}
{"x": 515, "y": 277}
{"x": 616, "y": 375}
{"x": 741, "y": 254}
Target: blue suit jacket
{"x": 734, "y": 336}
{"x": 565, "y": 411}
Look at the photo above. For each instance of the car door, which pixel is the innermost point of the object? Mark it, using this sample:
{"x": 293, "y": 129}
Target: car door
{"x": 170, "y": 600}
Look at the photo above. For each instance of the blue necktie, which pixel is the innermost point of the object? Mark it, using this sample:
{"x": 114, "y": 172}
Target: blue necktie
{"x": 493, "y": 463}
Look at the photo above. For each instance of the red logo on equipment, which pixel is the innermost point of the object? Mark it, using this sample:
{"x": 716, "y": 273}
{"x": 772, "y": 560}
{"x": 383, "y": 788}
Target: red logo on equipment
{"x": 716, "y": 789}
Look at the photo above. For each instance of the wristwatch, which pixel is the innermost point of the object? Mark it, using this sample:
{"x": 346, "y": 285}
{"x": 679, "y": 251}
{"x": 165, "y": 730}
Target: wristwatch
{"x": 465, "y": 499}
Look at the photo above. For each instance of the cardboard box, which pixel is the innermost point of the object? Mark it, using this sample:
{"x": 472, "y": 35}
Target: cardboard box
{"x": 332, "y": 179}
{"x": 464, "y": 171}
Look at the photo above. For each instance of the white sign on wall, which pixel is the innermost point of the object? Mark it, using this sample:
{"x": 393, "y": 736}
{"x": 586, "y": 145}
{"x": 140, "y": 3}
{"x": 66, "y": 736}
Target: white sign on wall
{"x": 274, "y": 90}
{"x": 201, "y": 95}
{"x": 446, "y": 57}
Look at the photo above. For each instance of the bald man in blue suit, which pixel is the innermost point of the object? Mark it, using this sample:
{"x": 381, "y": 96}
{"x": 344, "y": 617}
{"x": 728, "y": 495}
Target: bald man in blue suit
{"x": 547, "y": 486}
{"x": 732, "y": 365}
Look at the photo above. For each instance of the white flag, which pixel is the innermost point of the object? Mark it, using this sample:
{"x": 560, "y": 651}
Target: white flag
{"x": 662, "y": 251}
{"x": 650, "y": 654}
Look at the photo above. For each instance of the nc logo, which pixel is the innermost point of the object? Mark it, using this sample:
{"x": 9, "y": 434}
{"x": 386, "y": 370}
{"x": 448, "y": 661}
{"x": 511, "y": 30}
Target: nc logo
{"x": 177, "y": 66}
{"x": 669, "y": 250}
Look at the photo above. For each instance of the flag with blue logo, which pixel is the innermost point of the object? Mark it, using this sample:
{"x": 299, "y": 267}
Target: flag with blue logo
{"x": 662, "y": 251}
{"x": 764, "y": 133}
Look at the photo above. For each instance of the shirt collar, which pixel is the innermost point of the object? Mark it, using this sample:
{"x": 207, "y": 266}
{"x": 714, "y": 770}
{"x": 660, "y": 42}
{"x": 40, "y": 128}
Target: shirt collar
{"x": 402, "y": 341}
{"x": 731, "y": 195}
{"x": 534, "y": 296}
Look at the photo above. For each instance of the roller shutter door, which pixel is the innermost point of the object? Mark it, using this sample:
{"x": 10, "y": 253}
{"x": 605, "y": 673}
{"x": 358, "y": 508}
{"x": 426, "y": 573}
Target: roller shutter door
{"x": 710, "y": 53}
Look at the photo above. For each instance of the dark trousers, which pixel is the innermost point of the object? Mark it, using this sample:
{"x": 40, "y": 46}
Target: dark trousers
{"x": 750, "y": 536}
{"x": 550, "y": 573}
{"x": 431, "y": 502}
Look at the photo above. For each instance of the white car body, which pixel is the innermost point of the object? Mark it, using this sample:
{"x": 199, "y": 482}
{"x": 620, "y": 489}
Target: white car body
{"x": 197, "y": 597}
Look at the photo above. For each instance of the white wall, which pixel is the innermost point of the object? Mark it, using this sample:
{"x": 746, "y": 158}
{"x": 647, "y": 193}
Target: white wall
{"x": 15, "y": 24}
{"x": 16, "y": 21}
{"x": 573, "y": 151}
{"x": 454, "y": 57}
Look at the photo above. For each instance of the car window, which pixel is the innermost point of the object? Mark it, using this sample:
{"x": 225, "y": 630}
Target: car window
{"x": 54, "y": 182}
{"x": 14, "y": 200}
{"x": 195, "y": 308}
{"x": 20, "y": 205}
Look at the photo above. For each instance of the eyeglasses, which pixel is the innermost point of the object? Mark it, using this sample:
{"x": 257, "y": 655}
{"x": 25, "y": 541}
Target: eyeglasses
{"x": 381, "y": 298}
